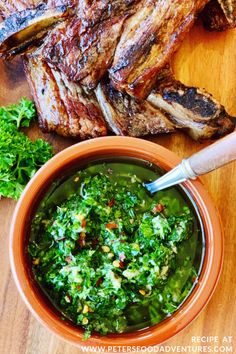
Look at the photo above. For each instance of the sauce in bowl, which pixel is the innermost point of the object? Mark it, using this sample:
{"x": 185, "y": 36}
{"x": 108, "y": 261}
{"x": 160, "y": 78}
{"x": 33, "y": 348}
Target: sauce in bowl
{"x": 109, "y": 256}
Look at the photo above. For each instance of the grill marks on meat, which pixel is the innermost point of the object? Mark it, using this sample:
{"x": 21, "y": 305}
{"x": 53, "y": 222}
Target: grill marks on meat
{"x": 63, "y": 107}
{"x": 91, "y": 12}
{"x": 191, "y": 108}
{"x": 68, "y": 109}
{"x": 127, "y": 116}
{"x": 83, "y": 48}
{"x": 149, "y": 39}
{"x": 22, "y": 28}
{"x": 214, "y": 18}
{"x": 83, "y": 56}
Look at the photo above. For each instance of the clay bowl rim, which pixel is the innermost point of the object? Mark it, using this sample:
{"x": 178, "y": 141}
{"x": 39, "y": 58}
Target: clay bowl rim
{"x": 110, "y": 147}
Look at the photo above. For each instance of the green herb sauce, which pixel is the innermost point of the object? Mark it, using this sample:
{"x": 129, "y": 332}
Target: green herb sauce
{"x": 109, "y": 256}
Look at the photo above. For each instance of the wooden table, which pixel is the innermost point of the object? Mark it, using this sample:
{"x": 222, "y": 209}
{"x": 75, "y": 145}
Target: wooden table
{"x": 206, "y": 60}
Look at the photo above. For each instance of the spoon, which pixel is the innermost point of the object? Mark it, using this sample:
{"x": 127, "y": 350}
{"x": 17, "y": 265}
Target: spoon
{"x": 204, "y": 161}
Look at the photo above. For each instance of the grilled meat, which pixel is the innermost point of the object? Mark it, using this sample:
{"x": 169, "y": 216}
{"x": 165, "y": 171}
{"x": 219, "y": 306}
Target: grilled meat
{"x": 63, "y": 107}
{"x": 20, "y": 29}
{"x": 9, "y": 7}
{"x": 149, "y": 39}
{"x": 92, "y": 12}
{"x": 214, "y": 18}
{"x": 82, "y": 57}
{"x": 127, "y": 116}
{"x": 83, "y": 48}
{"x": 190, "y": 108}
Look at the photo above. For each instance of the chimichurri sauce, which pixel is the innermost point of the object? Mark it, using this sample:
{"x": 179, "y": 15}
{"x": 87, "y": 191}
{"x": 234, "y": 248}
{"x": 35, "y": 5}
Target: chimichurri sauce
{"x": 109, "y": 256}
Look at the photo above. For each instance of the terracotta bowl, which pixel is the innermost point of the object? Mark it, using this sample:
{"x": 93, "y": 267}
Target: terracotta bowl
{"x": 56, "y": 167}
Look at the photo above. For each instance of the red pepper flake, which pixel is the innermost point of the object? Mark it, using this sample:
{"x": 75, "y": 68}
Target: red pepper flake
{"x": 111, "y": 226}
{"x": 82, "y": 237}
{"x": 158, "y": 208}
{"x": 99, "y": 281}
{"x": 79, "y": 287}
{"x": 68, "y": 259}
{"x": 122, "y": 265}
{"x": 111, "y": 202}
{"x": 194, "y": 279}
{"x": 83, "y": 224}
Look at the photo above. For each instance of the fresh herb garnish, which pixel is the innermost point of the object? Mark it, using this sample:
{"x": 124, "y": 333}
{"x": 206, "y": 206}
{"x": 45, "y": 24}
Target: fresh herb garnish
{"x": 20, "y": 158}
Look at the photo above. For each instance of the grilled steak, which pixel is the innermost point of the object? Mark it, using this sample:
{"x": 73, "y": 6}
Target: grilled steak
{"x": 127, "y": 116}
{"x": 63, "y": 107}
{"x": 149, "y": 39}
{"x": 83, "y": 48}
{"x": 86, "y": 56}
{"x": 92, "y": 12}
{"x": 190, "y": 108}
{"x": 20, "y": 29}
{"x": 214, "y": 18}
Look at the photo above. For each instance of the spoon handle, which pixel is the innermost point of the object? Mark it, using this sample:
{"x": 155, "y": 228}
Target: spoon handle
{"x": 214, "y": 156}
{"x": 204, "y": 161}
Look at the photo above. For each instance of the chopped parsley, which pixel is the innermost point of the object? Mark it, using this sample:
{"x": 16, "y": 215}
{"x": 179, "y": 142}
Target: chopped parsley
{"x": 20, "y": 157}
{"x": 111, "y": 259}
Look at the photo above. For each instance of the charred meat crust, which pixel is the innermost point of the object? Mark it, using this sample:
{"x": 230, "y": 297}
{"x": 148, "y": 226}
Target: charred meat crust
{"x": 149, "y": 39}
{"x": 127, "y": 116}
{"x": 83, "y": 56}
{"x": 20, "y": 29}
{"x": 8, "y": 7}
{"x": 83, "y": 48}
{"x": 63, "y": 107}
{"x": 92, "y": 12}
{"x": 191, "y": 108}
{"x": 68, "y": 109}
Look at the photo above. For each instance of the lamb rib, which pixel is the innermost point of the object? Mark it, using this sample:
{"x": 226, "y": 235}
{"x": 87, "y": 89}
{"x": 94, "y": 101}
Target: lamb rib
{"x": 92, "y": 12}
{"x": 190, "y": 108}
{"x": 22, "y": 28}
{"x": 84, "y": 57}
{"x": 149, "y": 39}
{"x": 83, "y": 48}
{"x": 68, "y": 109}
{"x": 127, "y": 116}
{"x": 63, "y": 107}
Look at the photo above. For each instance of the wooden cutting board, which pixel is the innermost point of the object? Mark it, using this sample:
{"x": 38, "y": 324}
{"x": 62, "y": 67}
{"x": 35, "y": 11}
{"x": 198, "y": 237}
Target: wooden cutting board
{"x": 206, "y": 60}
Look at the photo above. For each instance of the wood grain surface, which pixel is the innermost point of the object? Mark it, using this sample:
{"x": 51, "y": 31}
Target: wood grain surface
{"x": 207, "y": 60}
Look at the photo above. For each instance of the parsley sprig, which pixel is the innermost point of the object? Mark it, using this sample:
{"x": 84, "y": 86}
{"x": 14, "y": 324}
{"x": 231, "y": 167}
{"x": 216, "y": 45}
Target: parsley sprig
{"x": 20, "y": 157}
